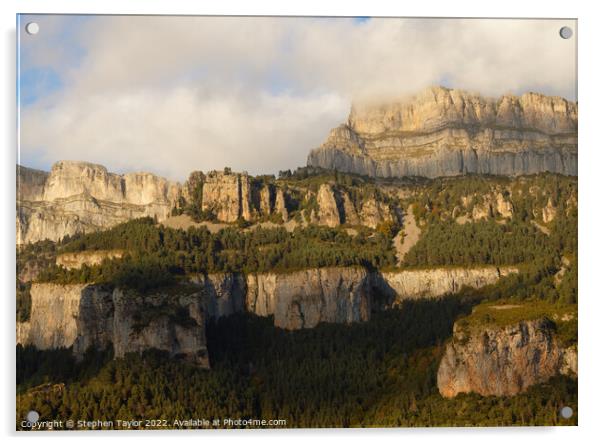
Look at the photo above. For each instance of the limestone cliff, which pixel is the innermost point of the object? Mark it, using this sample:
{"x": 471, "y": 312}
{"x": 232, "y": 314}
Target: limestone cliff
{"x": 164, "y": 320}
{"x": 75, "y": 260}
{"x": 329, "y": 213}
{"x": 344, "y": 294}
{"x": 432, "y": 283}
{"x": 305, "y": 298}
{"x": 93, "y": 315}
{"x": 229, "y": 196}
{"x": 445, "y": 132}
{"x": 225, "y": 293}
{"x": 503, "y": 360}
{"x": 53, "y": 320}
{"x": 88, "y": 315}
{"x": 77, "y": 197}
{"x": 335, "y": 207}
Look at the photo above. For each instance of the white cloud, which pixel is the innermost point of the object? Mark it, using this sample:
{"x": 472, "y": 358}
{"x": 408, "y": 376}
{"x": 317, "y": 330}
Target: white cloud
{"x": 174, "y": 94}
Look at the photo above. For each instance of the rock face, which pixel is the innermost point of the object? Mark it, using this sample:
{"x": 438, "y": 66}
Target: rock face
{"x": 231, "y": 196}
{"x": 228, "y": 195}
{"x": 335, "y": 207}
{"x": 93, "y": 315}
{"x": 305, "y": 298}
{"x": 433, "y": 283}
{"x": 443, "y": 132}
{"x": 83, "y": 316}
{"x": 53, "y": 320}
{"x": 343, "y": 295}
{"x": 548, "y": 213}
{"x": 76, "y": 260}
{"x": 374, "y": 212}
{"x": 280, "y": 205}
{"x": 78, "y": 197}
{"x": 225, "y": 293}
{"x": 329, "y": 214}
{"x": 503, "y": 361}
{"x": 169, "y": 322}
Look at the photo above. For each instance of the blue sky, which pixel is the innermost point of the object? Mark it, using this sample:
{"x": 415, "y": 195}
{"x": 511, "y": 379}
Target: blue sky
{"x": 173, "y": 94}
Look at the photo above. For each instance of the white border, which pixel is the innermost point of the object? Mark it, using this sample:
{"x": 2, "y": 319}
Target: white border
{"x": 590, "y": 163}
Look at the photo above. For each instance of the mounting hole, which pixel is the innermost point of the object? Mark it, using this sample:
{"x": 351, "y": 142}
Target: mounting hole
{"x": 566, "y": 32}
{"x": 33, "y": 416}
{"x": 32, "y": 28}
{"x": 566, "y": 412}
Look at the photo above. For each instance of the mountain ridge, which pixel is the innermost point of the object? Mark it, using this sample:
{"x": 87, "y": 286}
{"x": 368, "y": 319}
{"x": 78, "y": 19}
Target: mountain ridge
{"x": 447, "y": 132}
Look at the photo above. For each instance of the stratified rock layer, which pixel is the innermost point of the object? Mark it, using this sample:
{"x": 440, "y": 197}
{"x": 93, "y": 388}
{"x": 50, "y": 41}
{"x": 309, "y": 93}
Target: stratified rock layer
{"x": 82, "y": 316}
{"x": 75, "y": 260}
{"x": 503, "y": 361}
{"x": 432, "y": 283}
{"x": 444, "y": 132}
{"x": 79, "y": 197}
{"x": 305, "y": 298}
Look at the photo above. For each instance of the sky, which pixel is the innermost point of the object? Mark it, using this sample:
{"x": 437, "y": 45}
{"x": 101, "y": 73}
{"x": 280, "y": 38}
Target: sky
{"x": 171, "y": 95}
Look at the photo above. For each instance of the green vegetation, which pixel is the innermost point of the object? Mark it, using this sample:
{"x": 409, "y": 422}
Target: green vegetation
{"x": 31, "y": 259}
{"x": 23, "y": 300}
{"x": 436, "y": 199}
{"x": 483, "y": 242}
{"x": 158, "y": 255}
{"x": 379, "y": 373}
{"x": 501, "y": 313}
{"x": 498, "y": 241}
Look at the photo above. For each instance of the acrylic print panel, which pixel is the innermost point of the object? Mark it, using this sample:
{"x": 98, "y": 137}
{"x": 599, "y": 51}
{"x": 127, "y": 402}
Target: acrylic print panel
{"x": 284, "y": 222}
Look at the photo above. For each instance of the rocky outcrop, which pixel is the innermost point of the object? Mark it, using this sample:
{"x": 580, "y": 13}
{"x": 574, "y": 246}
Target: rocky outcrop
{"x": 224, "y": 293}
{"x": 230, "y": 196}
{"x": 329, "y": 213}
{"x": 53, "y": 319}
{"x": 79, "y": 197}
{"x": 349, "y": 211}
{"x": 303, "y": 299}
{"x": 482, "y": 211}
{"x": 503, "y": 207}
{"x": 89, "y": 315}
{"x": 503, "y": 361}
{"x": 280, "y": 205}
{"x": 548, "y": 213}
{"x": 227, "y": 195}
{"x": 173, "y": 319}
{"x": 374, "y": 212}
{"x": 164, "y": 320}
{"x": 75, "y": 260}
{"x": 444, "y": 132}
{"x": 335, "y": 207}
{"x": 432, "y": 283}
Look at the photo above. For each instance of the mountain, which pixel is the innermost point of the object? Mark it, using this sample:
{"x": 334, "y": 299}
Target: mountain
{"x": 78, "y": 197}
{"x": 447, "y": 132}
